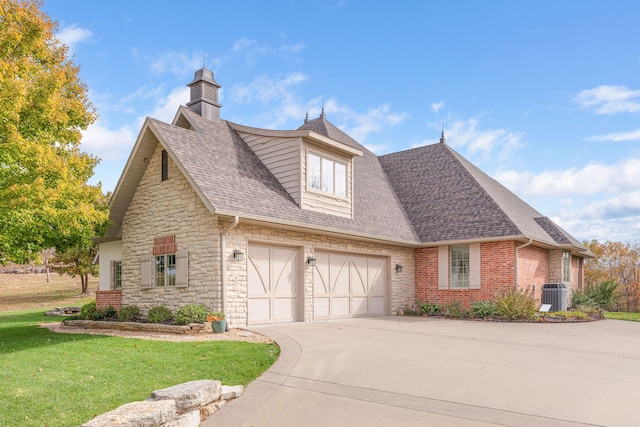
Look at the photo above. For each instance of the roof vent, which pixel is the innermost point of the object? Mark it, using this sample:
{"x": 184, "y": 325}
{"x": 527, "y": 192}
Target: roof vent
{"x": 204, "y": 95}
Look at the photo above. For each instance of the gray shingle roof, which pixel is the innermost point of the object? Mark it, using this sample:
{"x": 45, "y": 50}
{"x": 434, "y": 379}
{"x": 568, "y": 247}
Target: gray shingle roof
{"x": 420, "y": 196}
{"x": 235, "y": 182}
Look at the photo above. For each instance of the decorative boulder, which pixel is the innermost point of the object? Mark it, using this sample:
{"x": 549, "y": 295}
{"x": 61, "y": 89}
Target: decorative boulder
{"x": 190, "y": 395}
{"x": 136, "y": 414}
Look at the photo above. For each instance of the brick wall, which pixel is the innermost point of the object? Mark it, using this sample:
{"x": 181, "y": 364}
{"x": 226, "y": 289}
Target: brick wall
{"x": 497, "y": 273}
{"x": 112, "y": 298}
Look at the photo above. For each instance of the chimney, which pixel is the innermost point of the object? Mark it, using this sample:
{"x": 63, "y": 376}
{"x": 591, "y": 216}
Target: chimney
{"x": 204, "y": 95}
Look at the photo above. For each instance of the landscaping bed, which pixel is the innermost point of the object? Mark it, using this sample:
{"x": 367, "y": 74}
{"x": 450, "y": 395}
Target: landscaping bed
{"x": 190, "y": 329}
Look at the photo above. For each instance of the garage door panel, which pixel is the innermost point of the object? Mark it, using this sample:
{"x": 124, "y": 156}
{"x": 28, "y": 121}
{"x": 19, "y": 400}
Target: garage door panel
{"x": 359, "y": 306}
{"x": 259, "y": 309}
{"x": 284, "y": 262}
{"x": 283, "y": 308}
{"x": 357, "y": 285}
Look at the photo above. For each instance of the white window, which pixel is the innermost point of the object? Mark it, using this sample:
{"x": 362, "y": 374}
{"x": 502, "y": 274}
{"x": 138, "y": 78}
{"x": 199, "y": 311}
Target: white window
{"x": 566, "y": 266}
{"x": 166, "y": 270}
{"x": 326, "y": 175}
{"x": 459, "y": 267}
{"x": 116, "y": 274}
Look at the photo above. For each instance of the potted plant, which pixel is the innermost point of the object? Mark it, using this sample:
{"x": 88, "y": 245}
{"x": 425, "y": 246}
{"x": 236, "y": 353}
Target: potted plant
{"x": 218, "y": 322}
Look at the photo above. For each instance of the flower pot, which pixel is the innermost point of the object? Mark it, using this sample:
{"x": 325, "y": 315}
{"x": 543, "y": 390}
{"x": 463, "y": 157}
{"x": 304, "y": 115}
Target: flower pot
{"x": 219, "y": 326}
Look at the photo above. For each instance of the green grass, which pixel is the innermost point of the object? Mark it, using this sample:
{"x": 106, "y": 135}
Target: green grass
{"x": 50, "y": 379}
{"x": 619, "y": 315}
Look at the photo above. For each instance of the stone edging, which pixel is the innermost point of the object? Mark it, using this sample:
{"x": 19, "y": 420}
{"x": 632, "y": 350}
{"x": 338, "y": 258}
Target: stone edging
{"x": 192, "y": 328}
{"x": 183, "y": 405}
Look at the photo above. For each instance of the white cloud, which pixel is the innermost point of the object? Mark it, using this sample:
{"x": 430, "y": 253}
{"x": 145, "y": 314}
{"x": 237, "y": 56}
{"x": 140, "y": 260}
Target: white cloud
{"x": 617, "y": 136}
{"x": 108, "y": 144}
{"x": 592, "y": 179}
{"x": 294, "y": 48}
{"x": 360, "y": 125}
{"x": 167, "y": 106}
{"x": 470, "y": 135}
{"x": 72, "y": 35}
{"x": 266, "y": 89}
{"x": 242, "y": 44}
{"x": 176, "y": 63}
{"x": 609, "y": 99}
{"x": 437, "y": 106}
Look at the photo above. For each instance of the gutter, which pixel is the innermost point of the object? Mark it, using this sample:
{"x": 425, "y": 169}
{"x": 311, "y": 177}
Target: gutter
{"x": 516, "y": 264}
{"x": 223, "y": 266}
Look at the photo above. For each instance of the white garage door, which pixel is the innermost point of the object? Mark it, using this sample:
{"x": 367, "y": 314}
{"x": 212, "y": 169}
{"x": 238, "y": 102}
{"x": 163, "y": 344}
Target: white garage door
{"x": 349, "y": 285}
{"x": 272, "y": 276}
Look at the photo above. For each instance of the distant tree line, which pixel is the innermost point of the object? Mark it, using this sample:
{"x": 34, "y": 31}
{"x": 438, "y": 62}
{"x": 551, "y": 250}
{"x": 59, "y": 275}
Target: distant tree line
{"x": 618, "y": 265}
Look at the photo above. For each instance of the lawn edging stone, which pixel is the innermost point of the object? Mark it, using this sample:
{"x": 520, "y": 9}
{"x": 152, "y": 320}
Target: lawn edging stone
{"x": 182, "y": 405}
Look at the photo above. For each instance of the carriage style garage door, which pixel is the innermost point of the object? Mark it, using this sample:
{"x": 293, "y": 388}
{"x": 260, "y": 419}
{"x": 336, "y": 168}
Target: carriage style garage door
{"x": 348, "y": 285}
{"x": 273, "y": 277}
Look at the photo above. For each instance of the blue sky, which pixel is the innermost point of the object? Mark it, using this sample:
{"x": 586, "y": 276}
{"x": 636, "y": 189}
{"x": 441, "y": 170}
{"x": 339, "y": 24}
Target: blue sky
{"x": 544, "y": 96}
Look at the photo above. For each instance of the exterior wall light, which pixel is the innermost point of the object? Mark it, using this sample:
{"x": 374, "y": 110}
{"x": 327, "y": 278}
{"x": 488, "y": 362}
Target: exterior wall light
{"x": 311, "y": 261}
{"x": 238, "y": 255}
{"x": 399, "y": 268}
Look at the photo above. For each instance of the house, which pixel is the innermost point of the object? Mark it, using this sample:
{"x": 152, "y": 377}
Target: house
{"x": 307, "y": 224}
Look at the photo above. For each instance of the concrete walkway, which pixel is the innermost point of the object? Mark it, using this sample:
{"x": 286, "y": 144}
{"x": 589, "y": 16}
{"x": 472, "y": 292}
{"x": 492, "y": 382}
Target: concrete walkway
{"x": 421, "y": 372}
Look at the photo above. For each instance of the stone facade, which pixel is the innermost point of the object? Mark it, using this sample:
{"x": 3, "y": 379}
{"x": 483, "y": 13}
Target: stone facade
{"x": 166, "y": 208}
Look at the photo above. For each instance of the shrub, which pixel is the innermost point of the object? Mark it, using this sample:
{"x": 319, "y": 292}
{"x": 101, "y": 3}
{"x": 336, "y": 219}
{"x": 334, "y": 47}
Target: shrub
{"x": 87, "y": 310}
{"x": 215, "y": 316}
{"x": 98, "y": 315}
{"x": 604, "y": 294}
{"x": 483, "y": 309}
{"x": 581, "y": 299}
{"x": 455, "y": 310}
{"x": 192, "y": 313}
{"x": 430, "y": 309}
{"x": 129, "y": 313}
{"x": 516, "y": 305}
{"x": 160, "y": 314}
{"x": 110, "y": 312}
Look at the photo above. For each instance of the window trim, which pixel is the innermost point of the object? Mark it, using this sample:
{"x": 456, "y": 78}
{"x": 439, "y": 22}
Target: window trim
{"x": 164, "y": 173}
{"x": 459, "y": 274}
{"x": 566, "y": 266}
{"x": 116, "y": 273}
{"x": 335, "y": 161}
{"x": 474, "y": 267}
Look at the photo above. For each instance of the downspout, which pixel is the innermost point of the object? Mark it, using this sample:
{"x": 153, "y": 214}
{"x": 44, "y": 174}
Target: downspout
{"x": 516, "y": 266}
{"x": 223, "y": 265}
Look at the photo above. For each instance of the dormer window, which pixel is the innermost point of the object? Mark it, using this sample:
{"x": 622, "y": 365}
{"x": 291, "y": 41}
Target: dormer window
{"x": 326, "y": 175}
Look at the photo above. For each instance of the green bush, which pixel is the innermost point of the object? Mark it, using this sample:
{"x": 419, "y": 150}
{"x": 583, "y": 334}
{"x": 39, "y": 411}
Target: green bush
{"x": 129, "y": 313}
{"x": 97, "y": 315}
{"x": 110, "y": 312}
{"x": 581, "y": 299}
{"x": 160, "y": 314}
{"x": 192, "y": 313}
{"x": 604, "y": 294}
{"x": 483, "y": 309}
{"x": 516, "y": 305}
{"x": 430, "y": 309}
{"x": 87, "y": 310}
{"x": 455, "y": 310}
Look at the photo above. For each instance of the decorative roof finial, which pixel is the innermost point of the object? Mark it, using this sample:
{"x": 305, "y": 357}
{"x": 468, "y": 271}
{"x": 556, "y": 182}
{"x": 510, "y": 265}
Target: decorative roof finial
{"x": 322, "y": 113}
{"x": 306, "y": 118}
{"x": 443, "y": 140}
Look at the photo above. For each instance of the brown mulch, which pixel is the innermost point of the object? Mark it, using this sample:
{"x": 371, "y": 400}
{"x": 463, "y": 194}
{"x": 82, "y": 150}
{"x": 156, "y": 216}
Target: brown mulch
{"x": 234, "y": 334}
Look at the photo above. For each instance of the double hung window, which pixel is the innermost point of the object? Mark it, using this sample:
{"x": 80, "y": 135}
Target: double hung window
{"x": 326, "y": 175}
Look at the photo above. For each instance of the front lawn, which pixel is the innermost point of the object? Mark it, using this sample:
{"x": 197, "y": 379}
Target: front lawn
{"x": 50, "y": 379}
{"x": 619, "y": 315}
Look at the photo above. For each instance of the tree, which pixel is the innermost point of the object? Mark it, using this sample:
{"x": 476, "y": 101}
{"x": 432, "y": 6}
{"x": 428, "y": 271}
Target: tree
{"x": 45, "y": 200}
{"x": 77, "y": 261}
{"x": 617, "y": 263}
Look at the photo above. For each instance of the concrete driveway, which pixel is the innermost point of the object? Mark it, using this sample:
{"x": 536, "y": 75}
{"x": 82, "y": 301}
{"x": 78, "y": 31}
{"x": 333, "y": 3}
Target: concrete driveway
{"x": 419, "y": 372}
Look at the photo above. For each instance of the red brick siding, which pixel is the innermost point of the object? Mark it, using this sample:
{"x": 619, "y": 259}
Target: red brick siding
{"x": 533, "y": 269}
{"x": 105, "y": 299}
{"x": 497, "y": 273}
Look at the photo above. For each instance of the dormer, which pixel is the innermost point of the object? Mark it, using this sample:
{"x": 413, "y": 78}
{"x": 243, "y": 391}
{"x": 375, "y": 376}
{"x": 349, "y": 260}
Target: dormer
{"x": 315, "y": 170}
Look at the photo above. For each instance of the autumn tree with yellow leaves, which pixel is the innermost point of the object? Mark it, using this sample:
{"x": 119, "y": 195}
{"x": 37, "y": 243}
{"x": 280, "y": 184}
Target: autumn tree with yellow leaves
{"x": 45, "y": 198}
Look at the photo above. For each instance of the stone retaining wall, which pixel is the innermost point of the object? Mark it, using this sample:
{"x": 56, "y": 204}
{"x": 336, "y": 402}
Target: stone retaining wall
{"x": 192, "y": 328}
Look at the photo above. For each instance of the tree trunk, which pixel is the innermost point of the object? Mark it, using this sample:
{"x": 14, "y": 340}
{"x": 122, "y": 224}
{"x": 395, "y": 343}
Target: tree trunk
{"x": 85, "y": 283}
